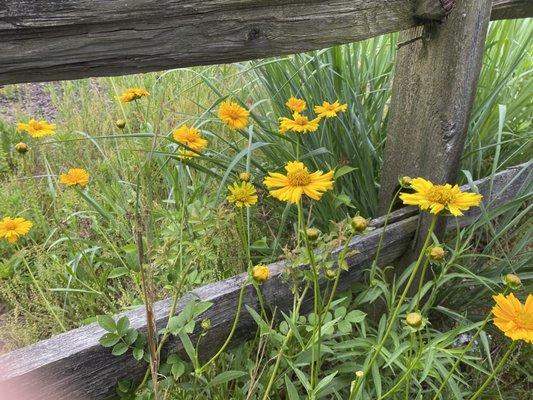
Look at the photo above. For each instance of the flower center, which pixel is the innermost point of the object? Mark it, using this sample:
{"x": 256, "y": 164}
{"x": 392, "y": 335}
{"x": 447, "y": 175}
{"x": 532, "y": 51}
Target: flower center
{"x": 10, "y": 226}
{"x": 301, "y": 121}
{"x": 233, "y": 114}
{"x": 299, "y": 178}
{"x": 439, "y": 194}
{"x": 525, "y": 320}
{"x": 36, "y": 125}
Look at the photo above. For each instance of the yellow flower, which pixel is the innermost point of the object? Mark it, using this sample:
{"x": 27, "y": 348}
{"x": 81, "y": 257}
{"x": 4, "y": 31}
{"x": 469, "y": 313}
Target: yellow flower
{"x": 233, "y": 115}
{"x": 513, "y": 318}
{"x": 296, "y": 105}
{"x": 133, "y": 94}
{"x": 13, "y": 228}
{"x": 75, "y": 176}
{"x": 327, "y": 110}
{"x": 297, "y": 182}
{"x": 191, "y": 138}
{"x": 299, "y": 123}
{"x": 260, "y": 273}
{"x": 37, "y": 129}
{"x": 436, "y": 198}
{"x": 243, "y": 194}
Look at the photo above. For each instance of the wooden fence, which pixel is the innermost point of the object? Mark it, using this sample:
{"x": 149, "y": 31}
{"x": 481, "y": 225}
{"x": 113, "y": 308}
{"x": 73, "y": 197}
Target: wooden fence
{"x": 434, "y": 87}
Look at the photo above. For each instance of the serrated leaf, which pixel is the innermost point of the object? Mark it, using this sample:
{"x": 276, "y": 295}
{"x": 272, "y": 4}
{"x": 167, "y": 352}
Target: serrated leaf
{"x": 138, "y": 353}
{"x": 109, "y": 339}
{"x": 119, "y": 349}
{"x": 355, "y": 316}
{"x": 131, "y": 336}
{"x": 122, "y": 325}
{"x": 107, "y": 322}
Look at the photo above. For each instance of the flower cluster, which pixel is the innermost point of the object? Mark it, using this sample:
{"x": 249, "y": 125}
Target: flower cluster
{"x": 302, "y": 124}
{"x": 132, "y": 94}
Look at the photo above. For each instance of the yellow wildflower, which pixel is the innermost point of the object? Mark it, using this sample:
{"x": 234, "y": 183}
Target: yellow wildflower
{"x": 12, "y": 229}
{"x": 436, "y": 198}
{"x": 297, "y": 182}
{"x": 243, "y": 194}
{"x": 36, "y": 128}
{"x": 133, "y": 94}
{"x": 191, "y": 138}
{"x": 513, "y": 318}
{"x": 260, "y": 273}
{"x": 233, "y": 115}
{"x": 75, "y": 176}
{"x": 296, "y": 105}
{"x": 299, "y": 124}
{"x": 330, "y": 110}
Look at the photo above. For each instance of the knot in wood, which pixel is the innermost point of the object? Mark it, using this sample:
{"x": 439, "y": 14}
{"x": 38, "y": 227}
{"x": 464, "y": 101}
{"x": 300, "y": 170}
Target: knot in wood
{"x": 253, "y": 33}
{"x": 433, "y": 10}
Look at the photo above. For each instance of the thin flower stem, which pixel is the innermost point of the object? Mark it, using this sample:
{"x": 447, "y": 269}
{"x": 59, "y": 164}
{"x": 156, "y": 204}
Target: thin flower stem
{"x": 396, "y": 310}
{"x": 41, "y": 293}
{"x": 494, "y": 371}
{"x": 232, "y": 331}
{"x": 295, "y": 313}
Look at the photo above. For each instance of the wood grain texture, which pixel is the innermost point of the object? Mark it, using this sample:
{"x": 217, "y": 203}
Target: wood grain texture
{"x": 58, "y": 39}
{"x": 432, "y": 95}
{"x": 73, "y": 365}
{"x": 511, "y": 9}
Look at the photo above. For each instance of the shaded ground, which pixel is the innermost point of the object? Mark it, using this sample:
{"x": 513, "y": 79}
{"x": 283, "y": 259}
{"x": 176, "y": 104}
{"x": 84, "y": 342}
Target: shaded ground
{"x": 30, "y": 99}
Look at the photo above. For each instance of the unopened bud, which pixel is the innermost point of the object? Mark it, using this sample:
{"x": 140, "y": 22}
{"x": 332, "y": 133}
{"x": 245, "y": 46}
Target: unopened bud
{"x": 245, "y": 176}
{"x": 260, "y": 273}
{"x": 359, "y": 374}
{"x": 406, "y": 180}
{"x": 437, "y": 253}
{"x": 414, "y": 320}
{"x": 120, "y": 123}
{"x": 206, "y": 324}
{"x": 21, "y": 148}
{"x": 359, "y": 224}
{"x": 330, "y": 274}
{"x": 512, "y": 280}
{"x": 312, "y": 234}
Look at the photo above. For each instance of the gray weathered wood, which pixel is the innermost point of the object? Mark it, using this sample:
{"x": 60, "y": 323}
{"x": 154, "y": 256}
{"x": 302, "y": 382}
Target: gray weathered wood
{"x": 432, "y": 95}
{"x": 511, "y": 9}
{"x": 73, "y": 365}
{"x": 57, "y": 39}
{"x": 429, "y": 10}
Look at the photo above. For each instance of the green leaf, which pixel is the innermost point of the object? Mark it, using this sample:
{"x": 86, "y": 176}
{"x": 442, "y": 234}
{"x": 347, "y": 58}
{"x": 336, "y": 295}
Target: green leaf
{"x": 119, "y": 349}
{"x": 107, "y": 322}
{"x": 292, "y": 392}
{"x": 122, "y": 325}
{"x": 117, "y": 272}
{"x": 177, "y": 369}
{"x": 325, "y": 382}
{"x": 344, "y": 326}
{"x": 345, "y": 169}
{"x": 109, "y": 339}
{"x": 226, "y": 376}
{"x": 355, "y": 316}
{"x": 138, "y": 353}
{"x": 131, "y": 336}
{"x": 188, "y": 346}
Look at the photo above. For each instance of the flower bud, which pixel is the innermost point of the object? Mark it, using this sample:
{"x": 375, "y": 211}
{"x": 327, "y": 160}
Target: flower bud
{"x": 330, "y": 274}
{"x": 260, "y": 273}
{"x": 406, "y": 181}
{"x": 414, "y": 320}
{"x": 21, "y": 148}
{"x": 359, "y": 224}
{"x": 512, "y": 280}
{"x": 245, "y": 176}
{"x": 120, "y": 123}
{"x": 437, "y": 253}
{"x": 312, "y": 234}
{"x": 359, "y": 374}
{"x": 206, "y": 324}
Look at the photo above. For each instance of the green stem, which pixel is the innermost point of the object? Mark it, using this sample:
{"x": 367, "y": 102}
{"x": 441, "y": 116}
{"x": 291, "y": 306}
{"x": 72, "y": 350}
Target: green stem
{"x": 231, "y": 333}
{"x": 494, "y": 371}
{"x": 396, "y": 310}
{"x": 41, "y": 293}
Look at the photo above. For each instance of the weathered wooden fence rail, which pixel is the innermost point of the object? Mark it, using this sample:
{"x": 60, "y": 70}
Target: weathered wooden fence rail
{"x": 58, "y": 39}
{"x": 75, "y": 364}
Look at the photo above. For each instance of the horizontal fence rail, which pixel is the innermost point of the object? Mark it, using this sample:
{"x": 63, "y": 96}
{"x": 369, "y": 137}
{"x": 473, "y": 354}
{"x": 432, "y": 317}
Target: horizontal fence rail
{"x": 57, "y": 39}
{"x": 73, "y": 365}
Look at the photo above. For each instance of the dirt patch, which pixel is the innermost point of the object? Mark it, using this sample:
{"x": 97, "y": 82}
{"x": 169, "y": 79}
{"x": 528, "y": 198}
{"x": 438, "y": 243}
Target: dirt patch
{"x": 31, "y": 99}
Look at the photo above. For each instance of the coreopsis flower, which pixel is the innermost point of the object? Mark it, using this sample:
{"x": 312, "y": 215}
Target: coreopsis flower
{"x": 37, "y": 129}
{"x": 297, "y": 182}
{"x": 191, "y": 138}
{"x": 132, "y": 94}
{"x": 330, "y": 110}
{"x": 436, "y": 198}
{"x": 260, "y": 273}
{"x": 299, "y": 124}
{"x": 233, "y": 115}
{"x": 243, "y": 194}
{"x": 296, "y": 105}
{"x": 513, "y": 318}
{"x": 75, "y": 177}
{"x": 12, "y": 229}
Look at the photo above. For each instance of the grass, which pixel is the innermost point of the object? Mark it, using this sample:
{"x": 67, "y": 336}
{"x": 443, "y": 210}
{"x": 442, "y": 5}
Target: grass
{"x": 84, "y": 247}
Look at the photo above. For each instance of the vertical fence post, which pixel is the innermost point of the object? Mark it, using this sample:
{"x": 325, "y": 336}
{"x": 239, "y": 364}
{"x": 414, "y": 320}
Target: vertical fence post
{"x": 434, "y": 85}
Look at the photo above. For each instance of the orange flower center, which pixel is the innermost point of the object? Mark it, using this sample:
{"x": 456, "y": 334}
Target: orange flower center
{"x": 329, "y": 107}
{"x": 233, "y": 114}
{"x": 10, "y": 226}
{"x": 439, "y": 194}
{"x": 36, "y": 125}
{"x": 301, "y": 121}
{"x": 299, "y": 178}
